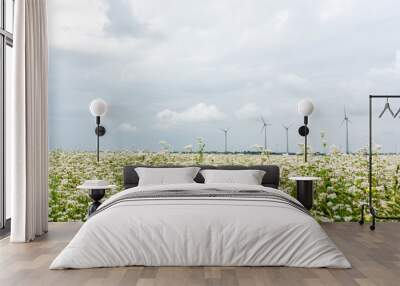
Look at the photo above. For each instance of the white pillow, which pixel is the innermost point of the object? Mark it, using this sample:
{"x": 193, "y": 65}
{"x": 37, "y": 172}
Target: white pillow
{"x": 166, "y": 176}
{"x": 248, "y": 177}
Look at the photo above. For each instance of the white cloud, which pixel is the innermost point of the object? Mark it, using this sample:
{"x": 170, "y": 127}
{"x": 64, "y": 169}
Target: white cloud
{"x": 332, "y": 9}
{"x": 127, "y": 127}
{"x": 281, "y": 19}
{"x": 292, "y": 80}
{"x": 75, "y": 24}
{"x": 392, "y": 70}
{"x": 397, "y": 62}
{"x": 250, "y": 111}
{"x": 201, "y": 112}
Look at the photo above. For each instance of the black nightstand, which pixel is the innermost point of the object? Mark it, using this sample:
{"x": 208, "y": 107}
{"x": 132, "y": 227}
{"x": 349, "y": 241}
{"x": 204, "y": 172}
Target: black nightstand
{"x": 305, "y": 192}
{"x": 96, "y": 193}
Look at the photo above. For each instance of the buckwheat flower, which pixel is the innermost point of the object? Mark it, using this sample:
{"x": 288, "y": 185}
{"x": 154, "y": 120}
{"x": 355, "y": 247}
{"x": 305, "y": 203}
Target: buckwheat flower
{"x": 353, "y": 189}
{"x": 347, "y": 218}
{"x": 331, "y": 196}
{"x": 325, "y": 219}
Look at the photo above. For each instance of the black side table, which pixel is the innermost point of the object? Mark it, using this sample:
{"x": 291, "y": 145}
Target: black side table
{"x": 96, "y": 193}
{"x": 305, "y": 192}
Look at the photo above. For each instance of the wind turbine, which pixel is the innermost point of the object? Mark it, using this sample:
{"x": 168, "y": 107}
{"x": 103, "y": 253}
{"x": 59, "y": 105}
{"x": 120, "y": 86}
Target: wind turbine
{"x": 287, "y": 136}
{"x": 225, "y": 130}
{"x": 346, "y": 120}
{"x": 264, "y": 128}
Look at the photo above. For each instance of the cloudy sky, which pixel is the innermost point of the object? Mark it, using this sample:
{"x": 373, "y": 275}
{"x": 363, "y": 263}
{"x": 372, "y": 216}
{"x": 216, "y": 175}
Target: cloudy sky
{"x": 182, "y": 69}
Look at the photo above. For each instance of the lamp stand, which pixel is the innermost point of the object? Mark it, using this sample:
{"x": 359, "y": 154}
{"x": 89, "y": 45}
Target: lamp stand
{"x": 303, "y": 131}
{"x": 98, "y": 137}
{"x": 100, "y": 131}
{"x": 305, "y": 138}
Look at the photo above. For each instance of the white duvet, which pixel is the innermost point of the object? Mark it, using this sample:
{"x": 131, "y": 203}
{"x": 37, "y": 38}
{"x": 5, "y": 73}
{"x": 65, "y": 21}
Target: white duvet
{"x": 200, "y": 231}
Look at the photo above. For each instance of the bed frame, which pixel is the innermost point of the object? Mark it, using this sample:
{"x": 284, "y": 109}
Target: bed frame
{"x": 270, "y": 179}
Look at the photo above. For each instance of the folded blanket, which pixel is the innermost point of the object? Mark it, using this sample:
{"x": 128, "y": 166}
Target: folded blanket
{"x": 206, "y": 193}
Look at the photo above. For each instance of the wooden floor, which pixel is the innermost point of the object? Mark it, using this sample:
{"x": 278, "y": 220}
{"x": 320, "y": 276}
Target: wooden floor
{"x": 375, "y": 257}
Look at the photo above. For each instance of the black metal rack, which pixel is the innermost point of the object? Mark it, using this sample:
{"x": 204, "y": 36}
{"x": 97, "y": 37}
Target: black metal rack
{"x": 372, "y": 209}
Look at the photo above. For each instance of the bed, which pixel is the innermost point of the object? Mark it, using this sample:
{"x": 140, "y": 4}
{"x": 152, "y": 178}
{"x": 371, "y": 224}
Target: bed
{"x": 198, "y": 224}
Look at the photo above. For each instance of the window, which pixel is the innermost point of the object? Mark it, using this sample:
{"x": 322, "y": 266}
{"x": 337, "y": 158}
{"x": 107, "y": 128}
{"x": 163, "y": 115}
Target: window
{"x": 6, "y": 43}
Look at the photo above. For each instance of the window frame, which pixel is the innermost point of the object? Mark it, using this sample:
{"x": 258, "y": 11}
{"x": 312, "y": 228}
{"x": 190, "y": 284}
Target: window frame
{"x": 6, "y": 39}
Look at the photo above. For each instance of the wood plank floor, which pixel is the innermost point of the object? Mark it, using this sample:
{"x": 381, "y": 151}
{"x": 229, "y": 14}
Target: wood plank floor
{"x": 375, "y": 257}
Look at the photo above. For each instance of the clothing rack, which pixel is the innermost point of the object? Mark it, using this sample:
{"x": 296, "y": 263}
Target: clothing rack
{"x": 372, "y": 209}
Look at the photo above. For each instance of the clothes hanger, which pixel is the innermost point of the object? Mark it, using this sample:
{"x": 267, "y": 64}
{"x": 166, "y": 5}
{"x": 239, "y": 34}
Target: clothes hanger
{"x": 387, "y": 107}
{"x": 397, "y": 113}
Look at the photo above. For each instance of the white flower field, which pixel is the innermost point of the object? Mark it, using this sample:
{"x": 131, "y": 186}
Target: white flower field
{"x": 343, "y": 185}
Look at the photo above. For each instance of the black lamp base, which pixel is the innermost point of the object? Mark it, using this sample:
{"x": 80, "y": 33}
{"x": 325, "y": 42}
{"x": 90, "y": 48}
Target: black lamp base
{"x": 305, "y": 193}
{"x": 96, "y": 195}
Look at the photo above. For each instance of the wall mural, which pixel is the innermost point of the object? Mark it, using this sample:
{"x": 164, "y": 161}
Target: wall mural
{"x": 219, "y": 82}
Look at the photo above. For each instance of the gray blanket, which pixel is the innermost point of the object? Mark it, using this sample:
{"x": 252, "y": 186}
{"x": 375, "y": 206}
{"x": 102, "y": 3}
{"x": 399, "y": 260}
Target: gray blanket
{"x": 205, "y": 194}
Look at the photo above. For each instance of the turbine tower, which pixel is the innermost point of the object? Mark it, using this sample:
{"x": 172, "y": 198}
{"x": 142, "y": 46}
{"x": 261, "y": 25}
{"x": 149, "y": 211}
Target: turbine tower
{"x": 346, "y": 120}
{"x": 264, "y": 128}
{"x": 286, "y": 127}
{"x": 225, "y": 130}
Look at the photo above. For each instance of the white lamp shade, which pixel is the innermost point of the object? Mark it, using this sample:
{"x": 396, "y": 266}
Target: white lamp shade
{"x": 305, "y": 107}
{"x": 98, "y": 107}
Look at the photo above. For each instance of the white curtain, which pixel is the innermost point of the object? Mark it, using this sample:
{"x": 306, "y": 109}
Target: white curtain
{"x": 27, "y": 123}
